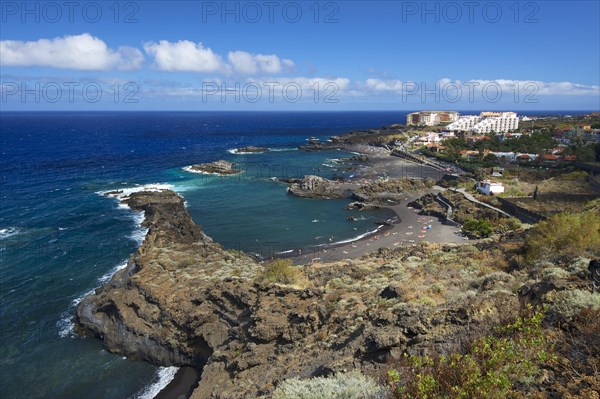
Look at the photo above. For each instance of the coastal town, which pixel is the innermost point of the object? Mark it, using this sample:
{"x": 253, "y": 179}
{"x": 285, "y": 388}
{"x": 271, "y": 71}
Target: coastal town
{"x": 498, "y": 164}
{"x": 497, "y": 146}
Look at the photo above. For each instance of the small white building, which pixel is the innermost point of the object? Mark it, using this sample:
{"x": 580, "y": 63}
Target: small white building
{"x": 488, "y": 187}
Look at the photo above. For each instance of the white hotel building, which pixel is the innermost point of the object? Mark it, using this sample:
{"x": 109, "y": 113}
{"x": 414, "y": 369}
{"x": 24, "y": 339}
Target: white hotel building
{"x": 486, "y": 122}
{"x": 464, "y": 123}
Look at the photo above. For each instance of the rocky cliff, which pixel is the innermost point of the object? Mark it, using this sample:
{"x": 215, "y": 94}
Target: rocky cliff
{"x": 184, "y": 300}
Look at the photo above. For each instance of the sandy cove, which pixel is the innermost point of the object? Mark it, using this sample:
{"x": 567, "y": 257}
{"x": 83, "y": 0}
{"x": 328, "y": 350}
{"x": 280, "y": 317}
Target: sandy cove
{"x": 410, "y": 227}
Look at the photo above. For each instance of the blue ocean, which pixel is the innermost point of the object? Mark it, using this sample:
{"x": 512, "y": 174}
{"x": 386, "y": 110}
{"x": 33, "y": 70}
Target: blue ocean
{"x": 60, "y": 237}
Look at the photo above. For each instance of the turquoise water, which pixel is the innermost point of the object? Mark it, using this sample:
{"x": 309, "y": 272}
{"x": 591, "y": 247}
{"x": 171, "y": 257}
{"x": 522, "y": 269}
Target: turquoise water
{"x": 260, "y": 216}
{"x": 59, "y": 238}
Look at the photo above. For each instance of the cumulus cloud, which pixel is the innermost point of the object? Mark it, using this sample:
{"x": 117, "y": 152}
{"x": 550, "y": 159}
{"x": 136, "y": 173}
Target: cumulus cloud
{"x": 81, "y": 52}
{"x": 251, "y": 64}
{"x": 185, "y": 56}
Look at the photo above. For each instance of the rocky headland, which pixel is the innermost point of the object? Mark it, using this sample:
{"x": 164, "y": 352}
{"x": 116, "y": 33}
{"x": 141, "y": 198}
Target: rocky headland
{"x": 184, "y": 300}
{"x": 386, "y": 135}
{"x": 220, "y": 167}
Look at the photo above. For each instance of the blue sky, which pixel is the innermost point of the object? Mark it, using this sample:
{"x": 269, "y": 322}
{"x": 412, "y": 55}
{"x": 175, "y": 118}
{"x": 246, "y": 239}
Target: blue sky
{"x": 300, "y": 55}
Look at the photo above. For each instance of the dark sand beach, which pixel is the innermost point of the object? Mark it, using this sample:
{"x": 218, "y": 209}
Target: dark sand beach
{"x": 182, "y": 385}
{"x": 409, "y": 228}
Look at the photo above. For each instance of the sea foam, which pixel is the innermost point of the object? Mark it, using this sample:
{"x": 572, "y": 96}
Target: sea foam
{"x": 164, "y": 375}
{"x": 9, "y": 232}
{"x": 349, "y": 240}
{"x": 201, "y": 172}
{"x": 66, "y": 325}
{"x": 123, "y": 193}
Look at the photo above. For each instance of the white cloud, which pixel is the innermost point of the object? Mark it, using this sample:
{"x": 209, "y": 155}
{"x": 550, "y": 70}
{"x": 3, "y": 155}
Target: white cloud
{"x": 382, "y": 85}
{"x": 251, "y": 64}
{"x": 243, "y": 62}
{"x": 185, "y": 56}
{"x": 82, "y": 52}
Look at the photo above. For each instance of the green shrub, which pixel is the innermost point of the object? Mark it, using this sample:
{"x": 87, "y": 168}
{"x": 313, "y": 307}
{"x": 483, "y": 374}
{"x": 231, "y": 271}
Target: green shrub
{"x": 490, "y": 368}
{"x": 564, "y": 234}
{"x": 479, "y": 227}
{"x": 352, "y": 385}
{"x": 283, "y": 271}
{"x": 577, "y": 175}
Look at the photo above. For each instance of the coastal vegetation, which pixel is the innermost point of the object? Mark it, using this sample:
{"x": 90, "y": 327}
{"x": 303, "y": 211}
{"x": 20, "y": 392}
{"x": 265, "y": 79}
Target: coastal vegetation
{"x": 478, "y": 227}
{"x": 282, "y": 271}
{"x": 351, "y": 385}
{"x": 564, "y": 234}
{"x": 491, "y": 366}
{"x": 445, "y": 317}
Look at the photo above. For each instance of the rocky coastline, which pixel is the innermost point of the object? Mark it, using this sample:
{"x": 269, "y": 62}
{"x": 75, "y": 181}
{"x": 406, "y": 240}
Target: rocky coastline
{"x": 184, "y": 300}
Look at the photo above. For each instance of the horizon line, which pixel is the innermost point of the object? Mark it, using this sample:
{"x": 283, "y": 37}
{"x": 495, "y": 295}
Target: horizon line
{"x": 304, "y": 110}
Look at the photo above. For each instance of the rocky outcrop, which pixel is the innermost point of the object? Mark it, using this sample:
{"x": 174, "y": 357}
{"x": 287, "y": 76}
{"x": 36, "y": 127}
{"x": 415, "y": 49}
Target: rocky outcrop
{"x": 250, "y": 150}
{"x": 318, "y": 187}
{"x": 386, "y": 135}
{"x": 314, "y": 144}
{"x": 184, "y": 300}
{"x": 361, "y": 206}
{"x": 390, "y": 190}
{"x": 366, "y": 196}
{"x": 150, "y": 309}
{"x": 428, "y": 205}
{"x": 214, "y": 168}
{"x": 359, "y": 158}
